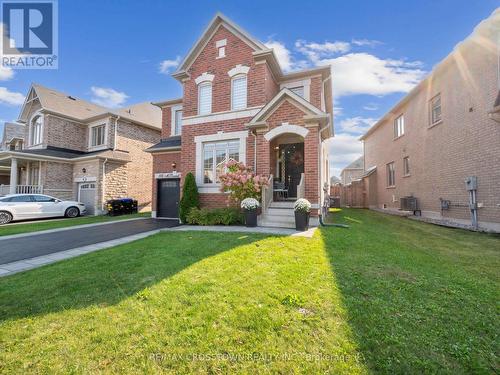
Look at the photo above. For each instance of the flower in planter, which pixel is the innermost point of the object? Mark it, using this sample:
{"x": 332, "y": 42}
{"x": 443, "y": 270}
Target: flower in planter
{"x": 249, "y": 204}
{"x": 302, "y": 205}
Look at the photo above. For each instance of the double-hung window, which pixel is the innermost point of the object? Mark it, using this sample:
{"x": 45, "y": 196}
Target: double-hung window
{"x": 399, "y": 126}
{"x": 36, "y": 130}
{"x": 239, "y": 92}
{"x": 205, "y": 98}
{"x": 391, "y": 175}
{"x": 178, "y": 121}
{"x": 97, "y": 135}
{"x": 406, "y": 166}
{"x": 435, "y": 109}
{"x": 215, "y": 157}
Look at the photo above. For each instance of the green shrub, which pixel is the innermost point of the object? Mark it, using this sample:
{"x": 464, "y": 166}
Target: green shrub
{"x": 218, "y": 216}
{"x": 190, "y": 197}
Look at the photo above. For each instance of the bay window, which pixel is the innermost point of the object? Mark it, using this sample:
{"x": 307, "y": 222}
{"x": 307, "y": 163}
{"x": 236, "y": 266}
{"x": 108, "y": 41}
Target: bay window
{"x": 215, "y": 157}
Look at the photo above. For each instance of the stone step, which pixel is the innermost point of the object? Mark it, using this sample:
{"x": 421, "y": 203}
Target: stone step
{"x": 288, "y": 205}
{"x": 280, "y": 211}
{"x": 266, "y": 222}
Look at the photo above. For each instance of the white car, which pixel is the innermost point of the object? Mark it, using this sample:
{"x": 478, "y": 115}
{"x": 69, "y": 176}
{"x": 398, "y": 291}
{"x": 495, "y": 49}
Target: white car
{"x": 36, "y": 206}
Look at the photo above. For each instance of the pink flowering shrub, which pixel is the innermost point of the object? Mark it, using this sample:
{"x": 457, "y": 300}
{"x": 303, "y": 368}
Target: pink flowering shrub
{"x": 241, "y": 183}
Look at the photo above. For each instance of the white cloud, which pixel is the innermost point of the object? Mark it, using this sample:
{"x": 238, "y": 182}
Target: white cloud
{"x": 283, "y": 54}
{"x": 366, "y": 42}
{"x": 10, "y": 97}
{"x": 363, "y": 73}
{"x": 370, "y": 107}
{"x": 6, "y": 73}
{"x": 356, "y": 125}
{"x": 108, "y": 97}
{"x": 166, "y": 66}
{"x": 315, "y": 51}
{"x": 344, "y": 149}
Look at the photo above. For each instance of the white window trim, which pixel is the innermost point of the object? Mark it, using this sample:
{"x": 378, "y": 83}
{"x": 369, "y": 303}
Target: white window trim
{"x": 285, "y": 128}
{"x": 238, "y": 69}
{"x": 396, "y": 129}
{"x": 106, "y": 130}
{"x": 174, "y": 109}
{"x": 30, "y": 130}
{"x": 221, "y": 116}
{"x": 205, "y": 83}
{"x": 431, "y": 101}
{"x": 199, "y": 140}
{"x": 306, "y": 83}
{"x": 246, "y": 87}
{"x": 204, "y": 77}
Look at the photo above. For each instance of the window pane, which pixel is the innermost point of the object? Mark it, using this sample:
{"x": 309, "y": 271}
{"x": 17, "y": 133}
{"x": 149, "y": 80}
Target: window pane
{"x": 43, "y": 198}
{"x": 21, "y": 198}
{"x": 205, "y": 99}
{"x": 178, "y": 122}
{"x": 97, "y": 135}
{"x": 298, "y": 90}
{"x": 208, "y": 165}
{"x": 220, "y": 162}
{"x": 239, "y": 92}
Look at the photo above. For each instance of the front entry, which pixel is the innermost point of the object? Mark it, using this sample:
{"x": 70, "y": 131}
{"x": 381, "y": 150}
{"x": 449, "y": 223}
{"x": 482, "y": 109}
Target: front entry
{"x": 86, "y": 195}
{"x": 292, "y": 166}
{"x": 168, "y": 198}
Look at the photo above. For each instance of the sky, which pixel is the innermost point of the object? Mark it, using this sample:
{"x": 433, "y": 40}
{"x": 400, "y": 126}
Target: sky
{"x": 117, "y": 53}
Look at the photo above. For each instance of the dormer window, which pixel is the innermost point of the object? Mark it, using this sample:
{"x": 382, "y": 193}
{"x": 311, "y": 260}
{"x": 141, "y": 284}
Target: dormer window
{"x": 221, "y": 48}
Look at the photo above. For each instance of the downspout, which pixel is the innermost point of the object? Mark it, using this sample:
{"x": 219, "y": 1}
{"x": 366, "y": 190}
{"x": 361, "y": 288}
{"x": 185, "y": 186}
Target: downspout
{"x": 103, "y": 182}
{"x": 116, "y": 133}
{"x": 253, "y": 132}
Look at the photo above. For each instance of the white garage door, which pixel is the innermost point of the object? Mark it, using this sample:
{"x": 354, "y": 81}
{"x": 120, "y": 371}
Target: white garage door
{"x": 86, "y": 195}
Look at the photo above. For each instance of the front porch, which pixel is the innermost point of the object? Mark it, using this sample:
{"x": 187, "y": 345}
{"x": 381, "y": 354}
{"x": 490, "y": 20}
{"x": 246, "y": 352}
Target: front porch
{"x": 20, "y": 176}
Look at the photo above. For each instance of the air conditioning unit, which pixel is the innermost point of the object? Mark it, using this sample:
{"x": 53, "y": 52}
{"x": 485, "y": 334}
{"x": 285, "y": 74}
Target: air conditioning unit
{"x": 409, "y": 204}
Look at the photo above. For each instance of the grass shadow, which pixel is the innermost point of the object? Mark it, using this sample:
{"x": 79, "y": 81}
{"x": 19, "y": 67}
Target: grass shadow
{"x": 419, "y": 298}
{"x": 109, "y": 276}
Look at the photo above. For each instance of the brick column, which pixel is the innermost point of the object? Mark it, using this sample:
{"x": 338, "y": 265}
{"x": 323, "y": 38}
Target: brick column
{"x": 263, "y": 153}
{"x": 311, "y": 159}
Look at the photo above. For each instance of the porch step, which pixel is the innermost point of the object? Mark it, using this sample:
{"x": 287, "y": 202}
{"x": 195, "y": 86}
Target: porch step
{"x": 281, "y": 216}
{"x": 281, "y": 204}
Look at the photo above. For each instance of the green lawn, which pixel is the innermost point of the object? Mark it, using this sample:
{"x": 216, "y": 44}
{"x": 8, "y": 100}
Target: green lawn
{"x": 388, "y": 295}
{"x": 35, "y": 226}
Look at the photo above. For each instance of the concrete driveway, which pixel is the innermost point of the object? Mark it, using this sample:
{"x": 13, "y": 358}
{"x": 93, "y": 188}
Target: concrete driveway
{"x": 33, "y": 245}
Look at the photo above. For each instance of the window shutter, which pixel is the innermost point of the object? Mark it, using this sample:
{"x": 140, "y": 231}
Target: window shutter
{"x": 239, "y": 92}
{"x": 205, "y": 99}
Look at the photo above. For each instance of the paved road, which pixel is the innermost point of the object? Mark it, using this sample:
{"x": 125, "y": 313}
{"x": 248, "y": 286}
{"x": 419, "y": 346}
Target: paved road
{"x": 33, "y": 245}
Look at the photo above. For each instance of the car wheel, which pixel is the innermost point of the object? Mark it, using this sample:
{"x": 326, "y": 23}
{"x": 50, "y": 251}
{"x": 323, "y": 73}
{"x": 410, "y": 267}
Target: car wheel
{"x": 72, "y": 212}
{"x": 5, "y": 217}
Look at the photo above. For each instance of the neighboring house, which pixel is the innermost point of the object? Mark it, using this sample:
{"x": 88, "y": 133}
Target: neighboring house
{"x": 444, "y": 131}
{"x": 238, "y": 104}
{"x": 78, "y": 150}
{"x": 12, "y": 139}
{"x": 353, "y": 171}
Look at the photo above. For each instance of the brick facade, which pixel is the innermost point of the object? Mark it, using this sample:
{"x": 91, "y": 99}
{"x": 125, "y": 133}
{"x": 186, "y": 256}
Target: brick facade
{"x": 263, "y": 85}
{"x": 465, "y": 143}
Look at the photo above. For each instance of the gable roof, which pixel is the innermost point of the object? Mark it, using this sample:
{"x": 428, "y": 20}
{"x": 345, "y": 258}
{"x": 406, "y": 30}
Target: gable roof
{"x": 278, "y": 99}
{"x": 356, "y": 164}
{"x": 12, "y": 130}
{"x": 216, "y": 22}
{"x": 54, "y": 101}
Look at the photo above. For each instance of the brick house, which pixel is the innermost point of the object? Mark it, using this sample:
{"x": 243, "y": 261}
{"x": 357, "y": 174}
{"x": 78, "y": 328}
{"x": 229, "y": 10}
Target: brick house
{"x": 353, "y": 171}
{"x": 238, "y": 104}
{"x": 445, "y": 130}
{"x": 77, "y": 150}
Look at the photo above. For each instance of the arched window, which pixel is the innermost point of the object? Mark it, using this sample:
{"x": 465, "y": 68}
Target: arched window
{"x": 36, "y": 130}
{"x": 239, "y": 91}
{"x": 205, "y": 98}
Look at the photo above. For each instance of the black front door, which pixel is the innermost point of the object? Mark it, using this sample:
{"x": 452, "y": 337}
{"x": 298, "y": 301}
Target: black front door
{"x": 293, "y": 157}
{"x": 168, "y": 198}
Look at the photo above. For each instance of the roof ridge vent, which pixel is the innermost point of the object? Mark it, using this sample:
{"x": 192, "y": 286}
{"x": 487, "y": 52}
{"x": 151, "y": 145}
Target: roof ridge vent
{"x": 70, "y": 97}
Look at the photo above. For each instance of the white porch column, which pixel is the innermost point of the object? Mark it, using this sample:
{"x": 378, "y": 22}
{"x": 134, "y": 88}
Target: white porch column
{"x": 13, "y": 176}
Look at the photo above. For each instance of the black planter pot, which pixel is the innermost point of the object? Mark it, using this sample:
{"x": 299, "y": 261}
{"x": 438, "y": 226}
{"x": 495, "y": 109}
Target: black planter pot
{"x": 301, "y": 221}
{"x": 251, "y": 218}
